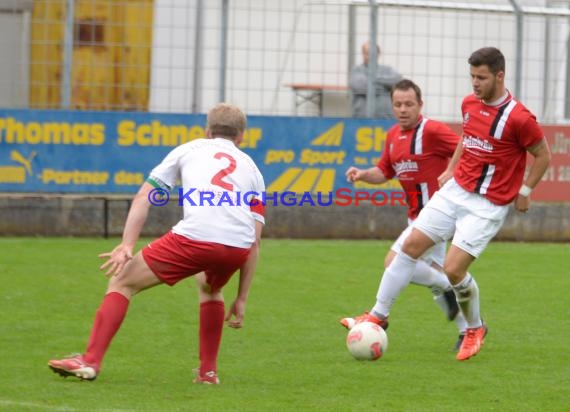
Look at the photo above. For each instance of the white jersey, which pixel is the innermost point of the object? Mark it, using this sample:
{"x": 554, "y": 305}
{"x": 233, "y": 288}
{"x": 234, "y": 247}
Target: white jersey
{"x": 218, "y": 181}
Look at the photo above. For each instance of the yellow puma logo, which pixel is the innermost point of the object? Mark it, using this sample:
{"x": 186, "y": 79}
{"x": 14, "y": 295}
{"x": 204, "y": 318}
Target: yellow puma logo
{"x": 27, "y": 163}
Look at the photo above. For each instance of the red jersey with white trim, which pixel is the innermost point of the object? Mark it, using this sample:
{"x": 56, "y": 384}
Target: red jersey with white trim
{"x": 416, "y": 157}
{"x": 495, "y": 142}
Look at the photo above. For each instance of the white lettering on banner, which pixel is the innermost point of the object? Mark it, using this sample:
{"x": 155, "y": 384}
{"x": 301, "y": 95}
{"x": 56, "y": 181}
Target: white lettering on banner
{"x": 74, "y": 177}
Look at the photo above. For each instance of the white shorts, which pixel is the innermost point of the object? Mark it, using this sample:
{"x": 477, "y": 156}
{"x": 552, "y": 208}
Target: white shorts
{"x": 474, "y": 219}
{"x": 435, "y": 254}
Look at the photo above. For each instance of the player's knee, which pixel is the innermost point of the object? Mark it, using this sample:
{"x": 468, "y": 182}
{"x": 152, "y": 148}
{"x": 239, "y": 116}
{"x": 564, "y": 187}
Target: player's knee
{"x": 414, "y": 247}
{"x": 123, "y": 289}
{"x": 207, "y": 294}
{"x": 454, "y": 273}
{"x": 205, "y": 289}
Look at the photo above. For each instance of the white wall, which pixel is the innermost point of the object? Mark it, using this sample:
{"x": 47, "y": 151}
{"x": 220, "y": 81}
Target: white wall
{"x": 14, "y": 49}
{"x": 273, "y": 43}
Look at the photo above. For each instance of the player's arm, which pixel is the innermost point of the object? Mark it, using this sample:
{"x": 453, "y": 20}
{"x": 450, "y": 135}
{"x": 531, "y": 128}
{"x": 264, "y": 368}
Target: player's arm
{"x": 137, "y": 216}
{"x": 542, "y": 156}
{"x": 136, "y": 219}
{"x": 372, "y": 175}
{"x": 448, "y": 172}
{"x": 378, "y": 174}
{"x": 246, "y": 274}
{"x": 247, "y": 271}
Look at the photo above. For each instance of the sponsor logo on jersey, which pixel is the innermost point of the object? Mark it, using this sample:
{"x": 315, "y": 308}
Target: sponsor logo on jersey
{"x": 474, "y": 142}
{"x": 405, "y": 166}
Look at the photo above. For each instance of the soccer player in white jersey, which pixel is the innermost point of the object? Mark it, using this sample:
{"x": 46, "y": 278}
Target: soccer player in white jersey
{"x": 417, "y": 151}
{"x": 219, "y": 234}
{"x": 485, "y": 175}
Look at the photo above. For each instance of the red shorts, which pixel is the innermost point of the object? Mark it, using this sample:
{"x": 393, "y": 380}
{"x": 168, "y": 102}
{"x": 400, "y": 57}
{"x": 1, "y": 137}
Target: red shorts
{"x": 174, "y": 257}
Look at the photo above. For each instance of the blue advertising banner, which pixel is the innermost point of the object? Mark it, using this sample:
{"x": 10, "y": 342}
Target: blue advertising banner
{"x": 107, "y": 152}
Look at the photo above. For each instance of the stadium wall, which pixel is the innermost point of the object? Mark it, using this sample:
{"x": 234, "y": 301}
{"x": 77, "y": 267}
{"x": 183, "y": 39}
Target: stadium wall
{"x": 67, "y": 173}
{"x": 68, "y": 215}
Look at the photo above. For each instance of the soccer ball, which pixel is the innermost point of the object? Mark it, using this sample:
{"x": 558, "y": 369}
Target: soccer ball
{"x": 367, "y": 341}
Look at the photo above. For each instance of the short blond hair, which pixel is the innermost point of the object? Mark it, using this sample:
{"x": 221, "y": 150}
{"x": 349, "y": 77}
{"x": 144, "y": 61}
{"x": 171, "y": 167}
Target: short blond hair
{"x": 226, "y": 120}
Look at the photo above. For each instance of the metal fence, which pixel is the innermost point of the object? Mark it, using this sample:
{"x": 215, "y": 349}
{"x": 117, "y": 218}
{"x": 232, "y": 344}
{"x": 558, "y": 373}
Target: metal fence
{"x": 278, "y": 57}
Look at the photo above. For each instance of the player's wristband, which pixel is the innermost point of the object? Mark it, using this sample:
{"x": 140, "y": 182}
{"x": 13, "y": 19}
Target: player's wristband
{"x": 525, "y": 191}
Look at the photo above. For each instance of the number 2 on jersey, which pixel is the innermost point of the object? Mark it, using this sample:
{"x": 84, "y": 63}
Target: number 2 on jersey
{"x": 218, "y": 177}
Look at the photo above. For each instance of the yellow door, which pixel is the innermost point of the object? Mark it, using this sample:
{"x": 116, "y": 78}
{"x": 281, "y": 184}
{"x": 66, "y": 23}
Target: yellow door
{"x": 111, "y": 54}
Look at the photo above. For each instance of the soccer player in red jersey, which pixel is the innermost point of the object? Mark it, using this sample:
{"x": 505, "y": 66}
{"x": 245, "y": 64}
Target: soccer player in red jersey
{"x": 417, "y": 151}
{"x": 485, "y": 175}
{"x": 212, "y": 241}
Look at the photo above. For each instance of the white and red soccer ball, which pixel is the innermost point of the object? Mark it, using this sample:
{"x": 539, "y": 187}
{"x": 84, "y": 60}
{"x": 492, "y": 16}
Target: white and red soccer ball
{"x": 367, "y": 341}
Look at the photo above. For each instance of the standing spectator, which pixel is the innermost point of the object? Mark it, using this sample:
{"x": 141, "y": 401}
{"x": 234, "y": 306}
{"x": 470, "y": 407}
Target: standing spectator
{"x": 417, "y": 151}
{"x": 385, "y": 78}
{"x": 485, "y": 175}
{"x": 212, "y": 241}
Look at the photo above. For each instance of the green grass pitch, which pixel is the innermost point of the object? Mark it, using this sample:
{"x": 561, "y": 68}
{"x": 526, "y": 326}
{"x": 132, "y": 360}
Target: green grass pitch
{"x": 291, "y": 354}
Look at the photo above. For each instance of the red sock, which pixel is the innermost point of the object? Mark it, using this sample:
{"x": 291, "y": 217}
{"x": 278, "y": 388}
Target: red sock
{"x": 108, "y": 320}
{"x": 212, "y": 315}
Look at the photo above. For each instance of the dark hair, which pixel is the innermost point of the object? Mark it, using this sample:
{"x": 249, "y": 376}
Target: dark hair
{"x": 488, "y": 56}
{"x": 406, "y": 84}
